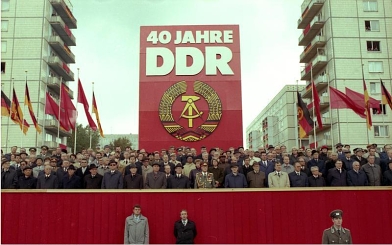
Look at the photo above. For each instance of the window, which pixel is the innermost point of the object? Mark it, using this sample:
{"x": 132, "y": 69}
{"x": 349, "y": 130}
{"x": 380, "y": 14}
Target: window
{"x": 370, "y": 6}
{"x": 375, "y": 66}
{"x": 373, "y": 46}
{"x": 372, "y": 25}
{"x": 379, "y": 111}
{"x": 4, "y": 25}
{"x": 2, "y": 67}
{"x": 5, "y": 5}
{"x": 3, "y": 46}
{"x": 381, "y": 131}
{"x": 375, "y": 88}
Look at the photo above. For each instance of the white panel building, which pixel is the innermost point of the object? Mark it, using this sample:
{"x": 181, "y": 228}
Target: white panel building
{"x": 36, "y": 37}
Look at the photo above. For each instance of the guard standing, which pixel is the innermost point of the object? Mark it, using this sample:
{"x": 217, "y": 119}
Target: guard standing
{"x": 337, "y": 234}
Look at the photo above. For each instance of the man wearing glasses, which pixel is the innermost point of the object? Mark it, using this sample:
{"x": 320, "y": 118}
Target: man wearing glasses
{"x": 112, "y": 179}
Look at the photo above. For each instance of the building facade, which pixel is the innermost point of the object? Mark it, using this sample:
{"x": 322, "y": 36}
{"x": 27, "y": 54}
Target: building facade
{"x": 343, "y": 40}
{"x": 109, "y": 138}
{"x": 36, "y": 41}
{"x": 277, "y": 122}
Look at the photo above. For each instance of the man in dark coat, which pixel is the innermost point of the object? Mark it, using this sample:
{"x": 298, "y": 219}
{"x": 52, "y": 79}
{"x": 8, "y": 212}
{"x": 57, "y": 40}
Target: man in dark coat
{"x": 304, "y": 169}
{"x": 388, "y": 175}
{"x": 93, "y": 180}
{"x": 347, "y": 160}
{"x": 356, "y": 177}
{"x": 298, "y": 178}
{"x": 317, "y": 162}
{"x": 83, "y": 171}
{"x": 184, "y": 229}
{"x": 358, "y": 156}
{"x": 316, "y": 180}
{"x": 155, "y": 179}
{"x": 71, "y": 181}
{"x": 179, "y": 181}
{"x": 47, "y": 180}
{"x": 9, "y": 177}
{"x": 337, "y": 176}
{"x": 27, "y": 181}
{"x": 112, "y": 179}
{"x": 133, "y": 180}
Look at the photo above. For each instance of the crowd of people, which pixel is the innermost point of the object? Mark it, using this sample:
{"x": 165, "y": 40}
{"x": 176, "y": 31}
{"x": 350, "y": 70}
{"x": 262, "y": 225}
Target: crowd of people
{"x": 186, "y": 168}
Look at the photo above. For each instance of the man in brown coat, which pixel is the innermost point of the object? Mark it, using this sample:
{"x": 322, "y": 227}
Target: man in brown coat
{"x": 337, "y": 234}
{"x": 256, "y": 178}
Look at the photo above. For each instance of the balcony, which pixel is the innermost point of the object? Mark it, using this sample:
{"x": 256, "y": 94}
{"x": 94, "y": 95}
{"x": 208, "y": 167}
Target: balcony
{"x": 311, "y": 50}
{"x": 54, "y": 84}
{"x": 314, "y": 67}
{"x": 320, "y": 82}
{"x": 310, "y": 11}
{"x": 51, "y": 144}
{"x": 63, "y": 31}
{"x": 324, "y": 104}
{"x": 61, "y": 49}
{"x": 311, "y": 31}
{"x": 61, "y": 68}
{"x": 51, "y": 125}
{"x": 62, "y": 9}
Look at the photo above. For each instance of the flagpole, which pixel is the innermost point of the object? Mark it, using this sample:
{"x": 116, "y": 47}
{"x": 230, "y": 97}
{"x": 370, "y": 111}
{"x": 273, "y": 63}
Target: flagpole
{"x": 330, "y": 112}
{"x": 24, "y": 112}
{"x": 91, "y": 108}
{"x": 297, "y": 138}
{"x": 77, "y": 114}
{"x": 382, "y": 105}
{"x": 367, "y": 116}
{"x": 44, "y": 122}
{"x": 58, "y": 128}
{"x": 347, "y": 130}
{"x": 8, "y": 119}
{"x": 314, "y": 122}
{"x": 12, "y": 100}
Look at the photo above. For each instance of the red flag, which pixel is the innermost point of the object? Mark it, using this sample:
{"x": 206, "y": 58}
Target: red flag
{"x": 386, "y": 96}
{"x": 83, "y": 100}
{"x": 95, "y": 111}
{"x": 68, "y": 106}
{"x": 316, "y": 105}
{"x": 359, "y": 98}
{"x": 28, "y": 103}
{"x": 339, "y": 101}
{"x": 367, "y": 106}
{"x": 52, "y": 108}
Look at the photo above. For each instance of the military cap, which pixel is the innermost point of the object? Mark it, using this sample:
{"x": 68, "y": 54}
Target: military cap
{"x": 27, "y": 167}
{"x": 93, "y": 166}
{"x": 71, "y": 167}
{"x": 33, "y": 149}
{"x": 357, "y": 149}
{"x": 336, "y": 214}
{"x": 156, "y": 163}
{"x": 179, "y": 165}
{"x": 44, "y": 147}
{"x": 132, "y": 165}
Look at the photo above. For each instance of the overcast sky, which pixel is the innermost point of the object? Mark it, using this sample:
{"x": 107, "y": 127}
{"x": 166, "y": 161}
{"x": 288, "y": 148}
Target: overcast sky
{"x": 107, "y": 50}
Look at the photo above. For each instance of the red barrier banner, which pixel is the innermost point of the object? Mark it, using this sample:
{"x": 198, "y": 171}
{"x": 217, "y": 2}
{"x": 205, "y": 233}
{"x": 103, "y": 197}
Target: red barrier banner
{"x": 190, "y": 87}
{"x": 222, "y": 216}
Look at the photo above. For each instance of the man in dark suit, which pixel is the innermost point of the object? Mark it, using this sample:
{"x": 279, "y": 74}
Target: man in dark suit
{"x": 83, "y": 171}
{"x": 298, "y": 178}
{"x": 388, "y": 175}
{"x": 155, "y": 179}
{"x": 63, "y": 171}
{"x": 358, "y": 156}
{"x": 184, "y": 229}
{"x": 267, "y": 166}
{"x": 347, "y": 160}
{"x": 133, "y": 180}
{"x": 356, "y": 177}
{"x": 27, "y": 181}
{"x": 384, "y": 162}
{"x": 316, "y": 180}
{"x": 165, "y": 161}
{"x": 47, "y": 180}
{"x": 93, "y": 180}
{"x": 246, "y": 168}
{"x": 337, "y": 176}
{"x": 317, "y": 162}
{"x": 179, "y": 181}
{"x": 9, "y": 177}
{"x": 304, "y": 169}
{"x": 71, "y": 180}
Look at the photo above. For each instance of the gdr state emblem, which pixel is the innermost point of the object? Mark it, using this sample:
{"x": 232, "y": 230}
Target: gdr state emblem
{"x": 190, "y": 111}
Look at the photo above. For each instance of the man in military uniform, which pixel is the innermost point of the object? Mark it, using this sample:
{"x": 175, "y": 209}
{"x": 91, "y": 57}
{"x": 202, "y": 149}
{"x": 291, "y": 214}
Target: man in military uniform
{"x": 337, "y": 234}
{"x": 204, "y": 179}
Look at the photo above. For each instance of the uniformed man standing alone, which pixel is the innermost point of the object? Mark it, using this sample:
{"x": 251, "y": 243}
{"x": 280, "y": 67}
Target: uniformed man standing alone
{"x": 337, "y": 234}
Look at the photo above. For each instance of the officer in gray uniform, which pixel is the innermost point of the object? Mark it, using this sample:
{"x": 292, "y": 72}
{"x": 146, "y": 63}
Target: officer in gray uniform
{"x": 337, "y": 234}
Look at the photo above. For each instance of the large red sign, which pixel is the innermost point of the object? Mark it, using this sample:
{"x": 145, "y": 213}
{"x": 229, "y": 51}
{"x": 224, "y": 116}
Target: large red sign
{"x": 190, "y": 87}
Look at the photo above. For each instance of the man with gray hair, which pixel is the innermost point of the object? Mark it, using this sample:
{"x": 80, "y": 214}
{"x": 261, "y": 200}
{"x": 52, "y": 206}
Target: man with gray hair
{"x": 316, "y": 180}
{"x": 356, "y": 177}
{"x": 373, "y": 171}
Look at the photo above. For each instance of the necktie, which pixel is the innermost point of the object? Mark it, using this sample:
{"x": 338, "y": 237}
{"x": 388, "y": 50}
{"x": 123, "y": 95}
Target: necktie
{"x": 184, "y": 223}
{"x": 298, "y": 174}
{"x": 65, "y": 169}
{"x": 339, "y": 232}
{"x": 265, "y": 163}
{"x": 178, "y": 175}
{"x": 278, "y": 174}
